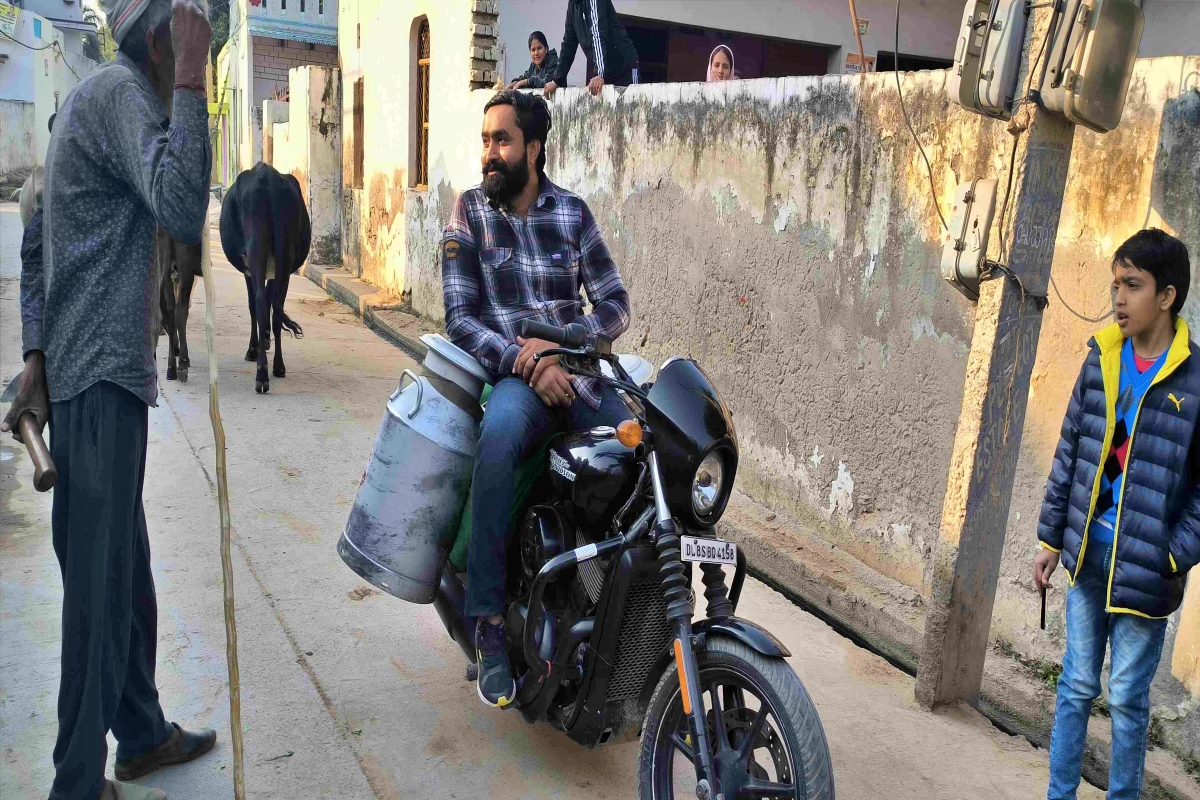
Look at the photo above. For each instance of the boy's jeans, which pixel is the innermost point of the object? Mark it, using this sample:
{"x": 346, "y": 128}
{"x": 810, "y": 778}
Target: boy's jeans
{"x": 1137, "y": 644}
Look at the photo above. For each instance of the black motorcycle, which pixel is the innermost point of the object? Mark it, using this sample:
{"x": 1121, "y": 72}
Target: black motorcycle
{"x": 600, "y": 616}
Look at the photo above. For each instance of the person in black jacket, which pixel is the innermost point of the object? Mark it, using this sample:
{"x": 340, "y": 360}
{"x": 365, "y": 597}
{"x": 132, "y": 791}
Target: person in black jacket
{"x": 543, "y": 64}
{"x": 1122, "y": 508}
{"x": 593, "y": 25}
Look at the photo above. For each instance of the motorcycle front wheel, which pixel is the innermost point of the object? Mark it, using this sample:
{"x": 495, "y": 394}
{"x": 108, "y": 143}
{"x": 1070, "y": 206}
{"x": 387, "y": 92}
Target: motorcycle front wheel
{"x": 763, "y": 730}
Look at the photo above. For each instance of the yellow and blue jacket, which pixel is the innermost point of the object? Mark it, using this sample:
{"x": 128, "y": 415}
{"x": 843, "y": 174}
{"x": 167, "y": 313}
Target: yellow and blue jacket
{"x": 1156, "y": 539}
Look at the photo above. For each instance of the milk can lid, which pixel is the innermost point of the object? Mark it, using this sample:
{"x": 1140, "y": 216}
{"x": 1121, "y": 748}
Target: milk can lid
{"x": 455, "y": 355}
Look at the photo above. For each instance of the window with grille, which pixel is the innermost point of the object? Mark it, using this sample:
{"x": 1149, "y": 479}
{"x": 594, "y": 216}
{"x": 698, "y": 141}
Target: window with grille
{"x": 422, "y": 115}
{"x": 358, "y": 134}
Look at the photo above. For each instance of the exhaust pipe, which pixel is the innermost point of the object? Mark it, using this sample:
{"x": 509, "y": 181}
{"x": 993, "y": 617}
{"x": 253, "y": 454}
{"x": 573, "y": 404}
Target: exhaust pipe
{"x": 450, "y": 600}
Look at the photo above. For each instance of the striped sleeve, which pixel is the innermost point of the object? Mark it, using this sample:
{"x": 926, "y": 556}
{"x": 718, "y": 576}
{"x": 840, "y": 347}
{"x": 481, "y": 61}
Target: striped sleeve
{"x": 597, "y": 38}
{"x": 462, "y": 291}
{"x": 601, "y": 280}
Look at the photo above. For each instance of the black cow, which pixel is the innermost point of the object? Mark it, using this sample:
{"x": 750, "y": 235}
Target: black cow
{"x": 178, "y": 267}
{"x": 265, "y": 233}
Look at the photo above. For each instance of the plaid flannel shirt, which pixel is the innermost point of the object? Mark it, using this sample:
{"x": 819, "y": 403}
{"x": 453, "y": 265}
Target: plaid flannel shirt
{"x": 499, "y": 269}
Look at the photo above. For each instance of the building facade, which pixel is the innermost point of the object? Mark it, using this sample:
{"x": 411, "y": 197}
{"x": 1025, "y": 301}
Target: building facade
{"x": 267, "y": 39}
{"x": 41, "y": 60}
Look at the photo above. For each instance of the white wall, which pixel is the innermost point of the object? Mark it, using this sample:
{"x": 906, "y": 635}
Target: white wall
{"x": 311, "y": 15}
{"x": 1172, "y": 28}
{"x": 927, "y": 27}
{"x": 18, "y": 142}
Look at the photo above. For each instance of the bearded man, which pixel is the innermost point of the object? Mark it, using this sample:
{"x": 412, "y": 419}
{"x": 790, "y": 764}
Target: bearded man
{"x": 520, "y": 248}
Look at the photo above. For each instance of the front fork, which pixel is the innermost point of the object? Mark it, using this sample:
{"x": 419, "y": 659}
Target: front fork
{"x": 679, "y": 614}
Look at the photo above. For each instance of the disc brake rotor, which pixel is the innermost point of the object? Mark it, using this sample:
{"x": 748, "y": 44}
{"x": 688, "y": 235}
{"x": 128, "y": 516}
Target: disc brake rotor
{"x": 738, "y": 722}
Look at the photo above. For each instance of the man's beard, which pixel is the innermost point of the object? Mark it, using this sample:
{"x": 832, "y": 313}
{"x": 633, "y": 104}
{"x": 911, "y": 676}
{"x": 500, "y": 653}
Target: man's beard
{"x": 508, "y": 182}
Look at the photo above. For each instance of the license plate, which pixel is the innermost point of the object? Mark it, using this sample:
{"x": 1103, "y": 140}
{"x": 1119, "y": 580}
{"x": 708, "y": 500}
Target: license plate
{"x": 708, "y": 551}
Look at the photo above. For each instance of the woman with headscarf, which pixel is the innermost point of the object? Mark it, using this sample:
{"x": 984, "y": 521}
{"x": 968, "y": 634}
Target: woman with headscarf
{"x": 720, "y": 64}
{"x": 543, "y": 64}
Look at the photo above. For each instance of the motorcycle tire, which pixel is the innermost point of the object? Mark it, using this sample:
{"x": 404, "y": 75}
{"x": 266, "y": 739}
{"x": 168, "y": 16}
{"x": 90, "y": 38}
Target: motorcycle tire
{"x": 775, "y": 684}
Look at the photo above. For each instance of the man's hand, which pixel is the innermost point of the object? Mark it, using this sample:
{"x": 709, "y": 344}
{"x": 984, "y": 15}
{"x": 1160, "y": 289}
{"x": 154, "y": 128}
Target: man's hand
{"x": 191, "y": 36}
{"x": 33, "y": 396}
{"x": 521, "y": 84}
{"x": 1044, "y": 564}
{"x": 524, "y": 366}
{"x": 549, "y": 89}
{"x": 553, "y": 385}
{"x": 595, "y": 85}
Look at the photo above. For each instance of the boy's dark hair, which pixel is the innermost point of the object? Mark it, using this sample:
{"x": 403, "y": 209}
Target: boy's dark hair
{"x": 157, "y": 18}
{"x": 539, "y": 36}
{"x": 533, "y": 118}
{"x": 1164, "y": 257}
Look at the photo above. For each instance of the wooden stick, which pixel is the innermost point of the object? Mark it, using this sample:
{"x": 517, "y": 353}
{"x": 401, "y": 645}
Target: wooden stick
{"x": 214, "y": 414}
{"x": 45, "y": 474}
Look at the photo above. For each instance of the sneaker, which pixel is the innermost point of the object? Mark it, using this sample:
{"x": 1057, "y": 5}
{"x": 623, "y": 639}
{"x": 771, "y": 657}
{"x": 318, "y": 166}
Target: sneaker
{"x": 495, "y": 684}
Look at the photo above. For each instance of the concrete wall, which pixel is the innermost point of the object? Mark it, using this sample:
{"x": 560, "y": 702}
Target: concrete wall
{"x": 386, "y": 62}
{"x": 18, "y": 139}
{"x": 1145, "y": 173}
{"x": 927, "y": 27}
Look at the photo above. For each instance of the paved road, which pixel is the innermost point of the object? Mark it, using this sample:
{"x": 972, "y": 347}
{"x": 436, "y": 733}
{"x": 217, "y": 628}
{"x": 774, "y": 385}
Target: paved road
{"x": 348, "y": 693}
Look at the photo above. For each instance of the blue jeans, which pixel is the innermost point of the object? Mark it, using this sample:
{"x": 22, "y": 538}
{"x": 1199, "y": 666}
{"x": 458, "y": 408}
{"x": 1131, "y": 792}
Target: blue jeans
{"x": 515, "y": 425}
{"x": 1137, "y": 645}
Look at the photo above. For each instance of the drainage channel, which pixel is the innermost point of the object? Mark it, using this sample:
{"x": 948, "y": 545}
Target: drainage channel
{"x": 985, "y": 707}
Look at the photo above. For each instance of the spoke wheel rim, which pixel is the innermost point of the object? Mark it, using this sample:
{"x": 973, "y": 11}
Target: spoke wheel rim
{"x": 765, "y": 769}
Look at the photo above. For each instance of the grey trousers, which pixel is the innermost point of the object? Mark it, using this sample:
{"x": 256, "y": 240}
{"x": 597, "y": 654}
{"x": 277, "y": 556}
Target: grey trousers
{"x": 110, "y": 614}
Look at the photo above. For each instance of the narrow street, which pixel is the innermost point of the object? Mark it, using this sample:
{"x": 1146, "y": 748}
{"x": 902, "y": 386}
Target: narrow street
{"x": 347, "y": 693}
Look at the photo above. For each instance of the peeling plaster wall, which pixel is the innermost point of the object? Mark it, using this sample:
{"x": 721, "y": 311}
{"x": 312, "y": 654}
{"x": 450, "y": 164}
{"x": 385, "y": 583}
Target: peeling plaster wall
{"x": 308, "y": 146}
{"x": 782, "y": 233}
{"x": 386, "y": 63}
{"x": 1146, "y": 173}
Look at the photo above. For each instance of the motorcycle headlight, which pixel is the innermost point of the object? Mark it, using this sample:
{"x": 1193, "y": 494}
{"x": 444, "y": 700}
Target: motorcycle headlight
{"x": 706, "y": 485}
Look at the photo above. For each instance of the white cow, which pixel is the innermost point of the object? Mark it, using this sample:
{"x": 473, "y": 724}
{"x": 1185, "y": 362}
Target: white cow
{"x": 30, "y": 194}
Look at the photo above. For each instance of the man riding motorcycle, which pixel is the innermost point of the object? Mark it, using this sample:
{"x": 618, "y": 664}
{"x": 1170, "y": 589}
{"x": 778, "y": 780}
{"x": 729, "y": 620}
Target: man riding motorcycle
{"x": 520, "y": 248}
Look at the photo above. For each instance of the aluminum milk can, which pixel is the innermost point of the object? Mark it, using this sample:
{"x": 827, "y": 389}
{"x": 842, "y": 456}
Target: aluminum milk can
{"x": 412, "y": 494}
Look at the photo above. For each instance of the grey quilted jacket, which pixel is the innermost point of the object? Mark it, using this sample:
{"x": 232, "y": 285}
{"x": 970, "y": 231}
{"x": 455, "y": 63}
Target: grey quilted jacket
{"x": 1157, "y": 536}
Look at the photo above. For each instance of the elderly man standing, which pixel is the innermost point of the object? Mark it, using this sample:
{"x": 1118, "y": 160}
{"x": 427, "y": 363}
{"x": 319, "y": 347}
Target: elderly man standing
{"x": 130, "y": 150}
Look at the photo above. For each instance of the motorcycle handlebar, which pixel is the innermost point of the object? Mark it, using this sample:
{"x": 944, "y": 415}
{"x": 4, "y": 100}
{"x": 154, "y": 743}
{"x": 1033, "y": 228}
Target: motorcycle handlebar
{"x": 573, "y": 335}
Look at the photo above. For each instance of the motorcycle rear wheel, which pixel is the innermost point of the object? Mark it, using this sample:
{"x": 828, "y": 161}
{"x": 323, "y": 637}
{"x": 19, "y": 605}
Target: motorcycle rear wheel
{"x": 787, "y": 756}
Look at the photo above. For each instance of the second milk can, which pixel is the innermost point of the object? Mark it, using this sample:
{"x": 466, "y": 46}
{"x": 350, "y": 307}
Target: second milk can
{"x": 417, "y": 479}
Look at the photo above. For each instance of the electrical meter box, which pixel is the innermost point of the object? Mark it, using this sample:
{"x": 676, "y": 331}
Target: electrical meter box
{"x": 987, "y": 57}
{"x": 965, "y": 247}
{"x": 1091, "y": 61}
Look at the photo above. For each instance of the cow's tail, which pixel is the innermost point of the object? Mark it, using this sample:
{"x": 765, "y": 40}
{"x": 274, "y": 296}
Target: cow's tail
{"x": 291, "y": 325}
{"x": 283, "y": 254}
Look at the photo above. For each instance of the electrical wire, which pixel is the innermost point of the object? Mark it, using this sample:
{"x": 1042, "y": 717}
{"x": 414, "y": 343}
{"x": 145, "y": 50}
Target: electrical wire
{"x": 896, "y": 69}
{"x": 52, "y": 46}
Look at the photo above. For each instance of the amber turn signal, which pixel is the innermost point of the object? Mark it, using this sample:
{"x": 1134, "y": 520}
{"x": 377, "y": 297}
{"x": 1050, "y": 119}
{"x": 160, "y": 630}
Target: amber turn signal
{"x": 629, "y": 433}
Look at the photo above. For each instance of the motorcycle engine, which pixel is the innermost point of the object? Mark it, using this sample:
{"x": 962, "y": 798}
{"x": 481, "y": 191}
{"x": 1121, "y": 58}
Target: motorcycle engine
{"x": 545, "y": 535}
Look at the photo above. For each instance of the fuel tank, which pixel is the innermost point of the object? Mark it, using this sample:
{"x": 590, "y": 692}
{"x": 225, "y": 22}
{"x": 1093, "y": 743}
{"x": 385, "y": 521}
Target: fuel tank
{"x": 411, "y": 496}
{"x": 594, "y": 474}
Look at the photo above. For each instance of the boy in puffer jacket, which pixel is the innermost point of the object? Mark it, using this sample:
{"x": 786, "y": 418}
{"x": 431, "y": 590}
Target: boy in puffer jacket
{"x": 1122, "y": 508}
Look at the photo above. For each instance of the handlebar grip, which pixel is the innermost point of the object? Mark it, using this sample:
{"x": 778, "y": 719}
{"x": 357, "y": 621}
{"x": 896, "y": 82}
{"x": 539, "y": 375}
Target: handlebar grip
{"x": 540, "y": 330}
